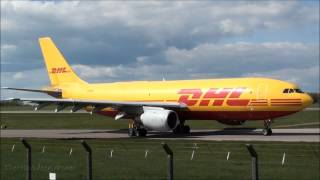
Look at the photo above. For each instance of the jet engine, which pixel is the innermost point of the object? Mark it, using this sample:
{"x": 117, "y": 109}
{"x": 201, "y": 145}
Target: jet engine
{"x": 232, "y": 122}
{"x": 159, "y": 119}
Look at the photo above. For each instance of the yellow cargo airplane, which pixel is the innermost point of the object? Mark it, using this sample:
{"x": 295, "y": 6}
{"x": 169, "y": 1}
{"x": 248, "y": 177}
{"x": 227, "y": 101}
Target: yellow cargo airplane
{"x": 166, "y": 105}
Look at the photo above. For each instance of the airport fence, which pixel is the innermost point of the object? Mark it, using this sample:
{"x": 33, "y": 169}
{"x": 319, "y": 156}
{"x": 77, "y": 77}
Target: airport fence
{"x": 148, "y": 159}
{"x": 167, "y": 150}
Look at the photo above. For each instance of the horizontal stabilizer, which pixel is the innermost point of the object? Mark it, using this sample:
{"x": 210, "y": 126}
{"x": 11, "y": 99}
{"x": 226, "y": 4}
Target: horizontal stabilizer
{"x": 54, "y": 93}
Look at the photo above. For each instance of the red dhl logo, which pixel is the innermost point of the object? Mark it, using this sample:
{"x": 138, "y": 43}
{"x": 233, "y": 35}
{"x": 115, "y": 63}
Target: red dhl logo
{"x": 59, "y": 70}
{"x": 213, "y": 97}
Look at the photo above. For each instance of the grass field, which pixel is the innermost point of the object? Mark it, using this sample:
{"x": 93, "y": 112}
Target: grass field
{"x": 129, "y": 162}
{"x": 87, "y": 121}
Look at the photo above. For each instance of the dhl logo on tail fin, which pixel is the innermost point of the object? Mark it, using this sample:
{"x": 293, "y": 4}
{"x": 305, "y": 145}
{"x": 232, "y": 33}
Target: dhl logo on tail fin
{"x": 59, "y": 70}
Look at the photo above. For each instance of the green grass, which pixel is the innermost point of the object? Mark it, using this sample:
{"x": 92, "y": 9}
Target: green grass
{"x": 128, "y": 162}
{"x": 88, "y": 121}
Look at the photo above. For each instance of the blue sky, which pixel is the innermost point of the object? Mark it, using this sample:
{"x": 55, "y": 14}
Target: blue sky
{"x": 108, "y": 41}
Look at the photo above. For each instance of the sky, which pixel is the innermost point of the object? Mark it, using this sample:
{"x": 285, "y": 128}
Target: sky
{"x": 108, "y": 41}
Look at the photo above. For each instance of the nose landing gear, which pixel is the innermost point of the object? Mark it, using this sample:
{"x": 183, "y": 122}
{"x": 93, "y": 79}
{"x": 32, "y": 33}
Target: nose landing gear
{"x": 267, "y": 131}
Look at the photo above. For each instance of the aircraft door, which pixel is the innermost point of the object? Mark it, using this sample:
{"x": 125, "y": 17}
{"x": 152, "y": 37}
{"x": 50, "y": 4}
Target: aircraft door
{"x": 259, "y": 95}
{"x": 261, "y": 92}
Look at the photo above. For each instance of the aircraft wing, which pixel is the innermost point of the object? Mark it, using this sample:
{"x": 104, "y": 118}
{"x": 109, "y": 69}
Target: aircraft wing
{"x": 77, "y": 104}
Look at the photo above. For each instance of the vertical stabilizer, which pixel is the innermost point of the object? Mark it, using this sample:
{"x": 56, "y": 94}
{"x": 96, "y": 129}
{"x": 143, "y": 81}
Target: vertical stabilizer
{"x": 58, "y": 69}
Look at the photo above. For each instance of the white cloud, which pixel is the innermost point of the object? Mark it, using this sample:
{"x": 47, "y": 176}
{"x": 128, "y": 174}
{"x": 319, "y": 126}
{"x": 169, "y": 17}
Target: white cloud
{"x": 230, "y": 26}
{"x": 290, "y": 61}
{"x": 142, "y": 59}
{"x": 18, "y": 76}
{"x": 163, "y": 19}
{"x": 244, "y": 56}
{"x": 35, "y": 79}
{"x": 96, "y": 72}
{"x": 7, "y": 48}
{"x": 308, "y": 78}
{"x": 100, "y": 74}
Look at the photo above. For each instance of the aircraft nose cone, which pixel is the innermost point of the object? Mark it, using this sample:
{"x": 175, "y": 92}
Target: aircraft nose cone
{"x": 307, "y": 100}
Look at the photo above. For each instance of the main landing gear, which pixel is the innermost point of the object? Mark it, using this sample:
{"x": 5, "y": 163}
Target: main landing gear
{"x": 136, "y": 130}
{"x": 267, "y": 131}
{"x": 182, "y": 129}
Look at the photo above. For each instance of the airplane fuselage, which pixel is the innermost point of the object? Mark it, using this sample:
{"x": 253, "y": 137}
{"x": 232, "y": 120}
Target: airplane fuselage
{"x": 208, "y": 99}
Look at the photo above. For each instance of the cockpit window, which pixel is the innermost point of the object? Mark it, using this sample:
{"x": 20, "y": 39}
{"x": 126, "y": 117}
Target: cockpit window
{"x": 298, "y": 91}
{"x": 291, "y": 91}
{"x": 285, "y": 90}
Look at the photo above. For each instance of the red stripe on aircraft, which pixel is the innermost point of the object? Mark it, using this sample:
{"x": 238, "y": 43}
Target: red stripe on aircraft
{"x": 237, "y": 102}
{"x": 284, "y": 99}
{"x": 285, "y": 104}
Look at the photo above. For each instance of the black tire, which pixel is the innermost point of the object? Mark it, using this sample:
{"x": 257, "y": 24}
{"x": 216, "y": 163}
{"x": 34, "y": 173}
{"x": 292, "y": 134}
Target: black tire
{"x": 267, "y": 132}
{"x": 141, "y": 132}
{"x": 177, "y": 130}
{"x": 186, "y": 129}
{"x": 131, "y": 132}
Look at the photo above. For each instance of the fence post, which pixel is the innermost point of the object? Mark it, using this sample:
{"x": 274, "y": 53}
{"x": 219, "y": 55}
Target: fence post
{"x": 170, "y": 160}
{"x": 254, "y": 162}
{"x": 29, "y": 165}
{"x": 89, "y": 159}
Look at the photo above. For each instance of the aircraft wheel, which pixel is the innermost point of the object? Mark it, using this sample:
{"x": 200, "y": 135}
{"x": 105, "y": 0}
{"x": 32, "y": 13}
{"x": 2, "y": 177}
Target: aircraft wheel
{"x": 132, "y": 132}
{"x": 267, "y": 128}
{"x": 186, "y": 129}
{"x": 182, "y": 129}
{"x": 177, "y": 130}
{"x": 267, "y": 132}
{"x": 141, "y": 132}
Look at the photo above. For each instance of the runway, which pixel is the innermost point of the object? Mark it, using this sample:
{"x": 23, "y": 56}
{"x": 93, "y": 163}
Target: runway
{"x": 285, "y": 135}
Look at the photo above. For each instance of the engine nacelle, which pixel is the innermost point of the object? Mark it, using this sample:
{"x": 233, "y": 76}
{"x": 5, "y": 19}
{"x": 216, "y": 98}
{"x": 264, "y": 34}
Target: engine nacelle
{"x": 232, "y": 122}
{"x": 159, "y": 119}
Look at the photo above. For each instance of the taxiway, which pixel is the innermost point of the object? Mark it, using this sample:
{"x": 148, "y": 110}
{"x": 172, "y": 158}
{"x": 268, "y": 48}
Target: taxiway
{"x": 285, "y": 135}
